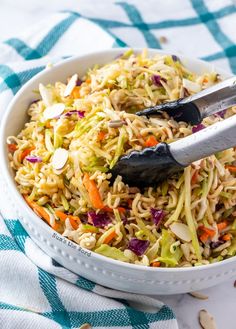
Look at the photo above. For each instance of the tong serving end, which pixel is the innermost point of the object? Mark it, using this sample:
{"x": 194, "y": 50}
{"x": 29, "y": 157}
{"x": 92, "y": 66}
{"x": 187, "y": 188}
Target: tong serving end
{"x": 179, "y": 110}
{"x": 147, "y": 167}
{"x": 193, "y": 109}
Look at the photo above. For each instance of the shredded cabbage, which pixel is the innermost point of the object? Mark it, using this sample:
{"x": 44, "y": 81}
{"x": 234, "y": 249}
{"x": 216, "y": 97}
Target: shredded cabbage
{"x": 111, "y": 252}
{"x": 93, "y": 121}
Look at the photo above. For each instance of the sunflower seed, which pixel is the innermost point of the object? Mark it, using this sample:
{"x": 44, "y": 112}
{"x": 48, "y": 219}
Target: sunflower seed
{"x": 11, "y": 140}
{"x": 71, "y": 85}
{"x": 206, "y": 320}
{"x": 54, "y": 111}
{"x": 186, "y": 251}
{"x": 115, "y": 123}
{"x": 206, "y": 252}
{"x": 198, "y": 295}
{"x": 181, "y": 231}
{"x": 59, "y": 158}
{"x": 235, "y": 284}
{"x": 163, "y": 39}
{"x": 85, "y": 326}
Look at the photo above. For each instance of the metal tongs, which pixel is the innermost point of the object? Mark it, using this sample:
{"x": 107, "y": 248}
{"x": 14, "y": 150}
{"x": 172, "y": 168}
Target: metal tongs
{"x": 151, "y": 165}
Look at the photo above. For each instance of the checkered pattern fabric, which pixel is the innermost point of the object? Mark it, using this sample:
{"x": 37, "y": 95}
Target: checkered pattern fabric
{"x": 35, "y": 291}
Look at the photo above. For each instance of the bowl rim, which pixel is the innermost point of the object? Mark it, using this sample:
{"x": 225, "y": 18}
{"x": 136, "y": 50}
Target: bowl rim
{"x": 5, "y": 168}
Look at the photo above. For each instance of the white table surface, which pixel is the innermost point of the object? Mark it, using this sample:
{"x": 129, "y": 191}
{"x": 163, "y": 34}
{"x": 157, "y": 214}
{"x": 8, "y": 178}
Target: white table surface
{"x": 18, "y": 15}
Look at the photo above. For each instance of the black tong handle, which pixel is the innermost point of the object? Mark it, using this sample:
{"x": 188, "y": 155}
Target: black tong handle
{"x": 152, "y": 165}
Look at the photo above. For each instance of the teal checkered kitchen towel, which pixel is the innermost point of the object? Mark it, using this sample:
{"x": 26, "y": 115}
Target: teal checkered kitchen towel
{"x": 35, "y": 292}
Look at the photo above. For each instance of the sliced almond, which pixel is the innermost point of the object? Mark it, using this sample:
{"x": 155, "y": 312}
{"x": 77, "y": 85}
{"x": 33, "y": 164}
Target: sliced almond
{"x": 46, "y": 95}
{"x": 54, "y": 111}
{"x": 181, "y": 231}
{"x": 198, "y": 295}
{"x": 59, "y": 158}
{"x": 206, "y": 320}
{"x": 191, "y": 86}
{"x": 71, "y": 85}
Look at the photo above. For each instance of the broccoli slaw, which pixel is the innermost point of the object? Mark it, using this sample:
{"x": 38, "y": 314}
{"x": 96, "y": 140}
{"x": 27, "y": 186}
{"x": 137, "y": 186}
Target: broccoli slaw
{"x": 78, "y": 130}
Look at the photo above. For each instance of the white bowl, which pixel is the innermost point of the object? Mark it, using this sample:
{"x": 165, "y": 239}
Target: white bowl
{"x": 102, "y": 270}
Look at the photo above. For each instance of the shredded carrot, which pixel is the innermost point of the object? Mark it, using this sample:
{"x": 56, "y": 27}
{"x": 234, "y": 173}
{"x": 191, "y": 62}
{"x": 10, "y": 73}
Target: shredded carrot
{"x": 120, "y": 209}
{"x": 40, "y": 211}
{"x": 222, "y": 225}
{"x": 204, "y": 237}
{"x": 207, "y": 233}
{"x": 61, "y": 215}
{"x": 93, "y": 192}
{"x": 194, "y": 177}
{"x": 156, "y": 264}
{"x": 108, "y": 209}
{"x": 111, "y": 236}
{"x": 205, "y": 80}
{"x": 231, "y": 168}
{"x": 74, "y": 220}
{"x": 73, "y": 223}
{"x": 76, "y": 92}
{"x": 226, "y": 237}
{"x": 130, "y": 201}
{"x": 151, "y": 141}
{"x": 210, "y": 232}
{"x": 26, "y": 152}
{"x": 88, "y": 80}
{"x": 12, "y": 147}
{"x": 101, "y": 136}
{"x": 48, "y": 124}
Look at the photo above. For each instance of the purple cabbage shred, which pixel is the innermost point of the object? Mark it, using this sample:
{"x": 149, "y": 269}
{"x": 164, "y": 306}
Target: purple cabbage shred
{"x": 157, "y": 215}
{"x": 222, "y": 114}
{"x": 197, "y": 128}
{"x": 79, "y": 82}
{"x": 138, "y": 246}
{"x": 79, "y": 113}
{"x": 98, "y": 220}
{"x": 33, "y": 159}
{"x": 119, "y": 56}
{"x": 156, "y": 79}
{"x": 175, "y": 58}
{"x": 216, "y": 244}
{"x": 35, "y": 101}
